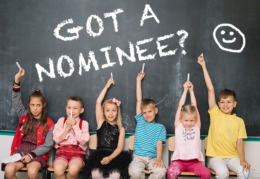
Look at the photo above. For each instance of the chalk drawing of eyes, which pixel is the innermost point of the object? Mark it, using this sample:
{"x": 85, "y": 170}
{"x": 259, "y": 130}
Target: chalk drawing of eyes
{"x": 232, "y": 30}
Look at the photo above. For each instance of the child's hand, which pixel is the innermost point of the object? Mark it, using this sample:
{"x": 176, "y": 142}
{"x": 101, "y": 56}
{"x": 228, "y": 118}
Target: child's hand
{"x": 140, "y": 76}
{"x": 71, "y": 121}
{"x": 190, "y": 85}
{"x": 158, "y": 164}
{"x": 110, "y": 82}
{"x": 26, "y": 159}
{"x": 19, "y": 75}
{"x": 201, "y": 61}
{"x": 68, "y": 125}
{"x": 246, "y": 166}
{"x": 185, "y": 85}
{"x": 105, "y": 160}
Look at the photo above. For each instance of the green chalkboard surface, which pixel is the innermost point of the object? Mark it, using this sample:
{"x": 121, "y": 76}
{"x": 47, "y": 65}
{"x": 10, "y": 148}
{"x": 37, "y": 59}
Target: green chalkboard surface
{"x": 70, "y": 47}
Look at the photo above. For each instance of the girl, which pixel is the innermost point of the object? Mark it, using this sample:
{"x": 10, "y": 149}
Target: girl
{"x": 187, "y": 156}
{"x": 31, "y": 132}
{"x": 70, "y": 136}
{"x": 109, "y": 157}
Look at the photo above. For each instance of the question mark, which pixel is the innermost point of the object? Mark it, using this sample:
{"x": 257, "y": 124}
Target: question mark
{"x": 183, "y": 38}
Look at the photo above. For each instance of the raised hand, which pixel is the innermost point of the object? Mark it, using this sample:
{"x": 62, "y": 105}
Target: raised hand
{"x": 201, "y": 61}
{"x": 110, "y": 82}
{"x": 140, "y": 76}
{"x": 19, "y": 75}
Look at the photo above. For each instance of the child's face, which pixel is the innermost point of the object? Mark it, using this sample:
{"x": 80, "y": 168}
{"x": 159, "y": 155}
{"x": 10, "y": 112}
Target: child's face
{"x": 36, "y": 107}
{"x": 188, "y": 121}
{"x": 110, "y": 112}
{"x": 76, "y": 109}
{"x": 227, "y": 105}
{"x": 149, "y": 113}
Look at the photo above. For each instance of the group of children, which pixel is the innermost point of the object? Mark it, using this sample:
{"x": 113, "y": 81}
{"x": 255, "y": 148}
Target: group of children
{"x": 36, "y": 134}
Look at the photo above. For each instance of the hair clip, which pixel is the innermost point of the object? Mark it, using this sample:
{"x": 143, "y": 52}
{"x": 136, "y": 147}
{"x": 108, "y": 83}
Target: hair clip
{"x": 37, "y": 90}
{"x": 116, "y": 101}
{"x": 183, "y": 108}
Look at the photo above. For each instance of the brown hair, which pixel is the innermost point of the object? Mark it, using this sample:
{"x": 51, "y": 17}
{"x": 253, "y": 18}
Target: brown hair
{"x": 147, "y": 102}
{"x": 226, "y": 92}
{"x": 189, "y": 109}
{"x": 76, "y": 98}
{"x": 43, "y": 120}
{"x": 119, "y": 116}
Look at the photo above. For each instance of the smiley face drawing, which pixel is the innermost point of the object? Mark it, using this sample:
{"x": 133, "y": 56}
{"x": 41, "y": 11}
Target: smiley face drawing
{"x": 230, "y": 38}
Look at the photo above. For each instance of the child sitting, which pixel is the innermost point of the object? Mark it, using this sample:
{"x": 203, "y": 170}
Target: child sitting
{"x": 109, "y": 157}
{"x": 226, "y": 133}
{"x": 71, "y": 136}
{"x": 149, "y": 138}
{"x": 187, "y": 156}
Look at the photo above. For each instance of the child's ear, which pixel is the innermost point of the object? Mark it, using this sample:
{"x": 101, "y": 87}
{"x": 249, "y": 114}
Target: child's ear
{"x": 44, "y": 105}
{"x": 235, "y": 104}
{"x": 81, "y": 110}
{"x": 156, "y": 110}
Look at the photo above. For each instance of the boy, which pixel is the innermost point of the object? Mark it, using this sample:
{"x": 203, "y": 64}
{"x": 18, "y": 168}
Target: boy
{"x": 149, "y": 138}
{"x": 226, "y": 133}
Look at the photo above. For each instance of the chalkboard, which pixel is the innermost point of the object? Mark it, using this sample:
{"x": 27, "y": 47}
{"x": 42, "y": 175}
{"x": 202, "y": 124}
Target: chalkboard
{"x": 70, "y": 47}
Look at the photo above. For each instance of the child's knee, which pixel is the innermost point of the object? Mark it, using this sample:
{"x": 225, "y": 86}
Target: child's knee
{"x": 73, "y": 170}
{"x": 222, "y": 174}
{"x": 114, "y": 175}
{"x": 59, "y": 170}
{"x": 32, "y": 172}
{"x": 135, "y": 172}
{"x": 9, "y": 171}
{"x": 206, "y": 174}
{"x": 96, "y": 174}
{"x": 173, "y": 172}
{"x": 159, "y": 172}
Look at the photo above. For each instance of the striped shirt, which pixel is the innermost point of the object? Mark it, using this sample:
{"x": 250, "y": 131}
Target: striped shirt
{"x": 146, "y": 136}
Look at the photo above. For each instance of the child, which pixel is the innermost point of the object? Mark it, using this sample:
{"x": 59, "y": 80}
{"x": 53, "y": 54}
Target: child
{"x": 70, "y": 136}
{"x": 109, "y": 157}
{"x": 187, "y": 156}
{"x": 226, "y": 133}
{"x": 31, "y": 132}
{"x": 149, "y": 138}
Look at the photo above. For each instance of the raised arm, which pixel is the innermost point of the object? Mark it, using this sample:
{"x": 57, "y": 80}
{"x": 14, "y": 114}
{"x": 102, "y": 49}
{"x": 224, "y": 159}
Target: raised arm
{"x": 194, "y": 102}
{"x": 101, "y": 96}
{"x": 211, "y": 93}
{"x": 181, "y": 103}
{"x": 139, "y": 97}
{"x": 16, "y": 95}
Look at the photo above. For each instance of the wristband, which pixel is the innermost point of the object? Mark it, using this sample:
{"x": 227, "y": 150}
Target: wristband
{"x": 17, "y": 83}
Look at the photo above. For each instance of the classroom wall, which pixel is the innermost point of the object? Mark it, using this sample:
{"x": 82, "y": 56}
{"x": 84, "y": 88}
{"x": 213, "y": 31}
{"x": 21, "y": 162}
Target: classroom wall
{"x": 251, "y": 150}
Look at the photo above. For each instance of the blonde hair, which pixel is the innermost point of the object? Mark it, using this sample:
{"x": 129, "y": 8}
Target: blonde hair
{"x": 119, "y": 116}
{"x": 189, "y": 109}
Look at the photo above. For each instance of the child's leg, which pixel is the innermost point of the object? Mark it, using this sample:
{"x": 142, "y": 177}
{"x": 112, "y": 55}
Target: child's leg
{"x": 12, "y": 168}
{"x": 96, "y": 174}
{"x": 60, "y": 166}
{"x": 175, "y": 170}
{"x": 136, "y": 167}
{"x": 75, "y": 166}
{"x": 220, "y": 167}
{"x": 156, "y": 173}
{"x": 33, "y": 169}
{"x": 199, "y": 169}
{"x": 114, "y": 175}
{"x": 234, "y": 165}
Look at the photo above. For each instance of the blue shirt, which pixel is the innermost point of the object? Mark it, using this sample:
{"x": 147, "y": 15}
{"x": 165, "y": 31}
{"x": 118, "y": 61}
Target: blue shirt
{"x": 146, "y": 136}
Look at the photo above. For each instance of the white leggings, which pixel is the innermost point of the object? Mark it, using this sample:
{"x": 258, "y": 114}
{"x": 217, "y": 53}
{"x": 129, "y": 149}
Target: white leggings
{"x": 96, "y": 174}
{"x": 222, "y": 166}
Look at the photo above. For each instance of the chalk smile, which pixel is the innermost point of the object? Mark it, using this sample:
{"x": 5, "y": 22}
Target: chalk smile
{"x": 229, "y": 41}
